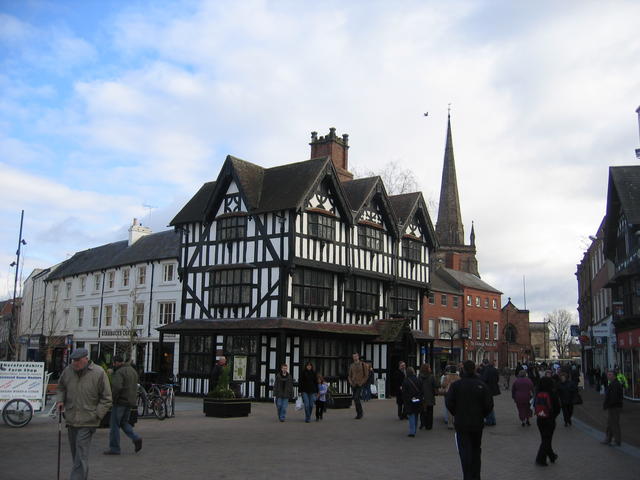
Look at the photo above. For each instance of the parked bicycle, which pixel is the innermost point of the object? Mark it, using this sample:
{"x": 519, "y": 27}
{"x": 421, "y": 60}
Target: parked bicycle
{"x": 151, "y": 401}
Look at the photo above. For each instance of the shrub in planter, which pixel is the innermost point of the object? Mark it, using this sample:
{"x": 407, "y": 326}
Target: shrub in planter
{"x": 222, "y": 401}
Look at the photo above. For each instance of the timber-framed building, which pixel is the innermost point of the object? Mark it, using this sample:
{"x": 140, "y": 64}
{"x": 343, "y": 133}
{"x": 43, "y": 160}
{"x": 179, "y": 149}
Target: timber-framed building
{"x": 298, "y": 263}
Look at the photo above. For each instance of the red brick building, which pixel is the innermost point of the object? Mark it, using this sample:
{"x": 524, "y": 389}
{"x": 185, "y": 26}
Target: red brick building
{"x": 516, "y": 339}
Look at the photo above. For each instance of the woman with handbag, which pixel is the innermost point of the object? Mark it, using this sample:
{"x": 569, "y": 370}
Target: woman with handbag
{"x": 568, "y": 393}
{"x": 412, "y": 399}
{"x": 283, "y": 390}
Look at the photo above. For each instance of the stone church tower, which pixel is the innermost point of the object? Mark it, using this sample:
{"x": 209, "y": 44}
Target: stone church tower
{"x": 453, "y": 253}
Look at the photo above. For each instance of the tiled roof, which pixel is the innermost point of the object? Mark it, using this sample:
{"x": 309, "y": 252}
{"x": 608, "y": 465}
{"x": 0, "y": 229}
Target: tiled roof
{"x": 403, "y": 204}
{"x": 468, "y": 280}
{"x": 152, "y": 247}
{"x": 627, "y": 184}
{"x": 357, "y": 191}
{"x": 193, "y": 211}
{"x": 440, "y": 282}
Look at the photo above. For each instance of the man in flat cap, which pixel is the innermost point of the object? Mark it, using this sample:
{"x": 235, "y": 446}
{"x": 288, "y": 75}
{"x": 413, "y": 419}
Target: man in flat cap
{"x": 84, "y": 395}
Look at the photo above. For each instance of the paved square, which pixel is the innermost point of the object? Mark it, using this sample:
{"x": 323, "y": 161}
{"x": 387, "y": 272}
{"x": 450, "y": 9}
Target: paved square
{"x": 192, "y": 446}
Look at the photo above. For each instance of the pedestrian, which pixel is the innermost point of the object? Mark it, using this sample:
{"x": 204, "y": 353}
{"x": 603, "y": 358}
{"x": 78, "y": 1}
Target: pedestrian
{"x": 450, "y": 376}
{"x": 491, "y": 377}
{"x": 521, "y": 392}
{"x": 597, "y": 377}
{"x": 613, "y": 400}
{"x": 124, "y": 390}
{"x": 412, "y": 398}
{"x": 283, "y": 390}
{"x": 84, "y": 395}
{"x": 567, "y": 392}
{"x": 547, "y": 408}
{"x": 366, "y": 390}
{"x": 397, "y": 380}
{"x": 429, "y": 390}
{"x": 469, "y": 400}
{"x": 216, "y": 371}
{"x": 309, "y": 389}
{"x": 358, "y": 375}
{"x": 321, "y": 400}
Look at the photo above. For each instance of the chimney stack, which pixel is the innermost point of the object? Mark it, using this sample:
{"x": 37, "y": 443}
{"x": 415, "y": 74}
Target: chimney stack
{"x": 137, "y": 231}
{"x": 335, "y": 147}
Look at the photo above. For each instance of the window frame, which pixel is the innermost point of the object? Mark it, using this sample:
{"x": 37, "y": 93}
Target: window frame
{"x": 231, "y": 228}
{"x": 108, "y": 315}
{"x": 455, "y": 301}
{"x": 400, "y": 298}
{"x": 361, "y": 294}
{"x": 411, "y": 250}
{"x": 370, "y": 238}
{"x": 95, "y": 316}
{"x": 443, "y": 299}
{"x": 137, "y": 314}
{"x": 231, "y": 287}
{"x": 80, "y": 316}
{"x": 163, "y": 315}
{"x": 123, "y": 313}
{"x": 168, "y": 272}
{"x": 141, "y": 277}
{"x": 124, "y": 280}
{"x": 312, "y": 288}
{"x": 321, "y": 226}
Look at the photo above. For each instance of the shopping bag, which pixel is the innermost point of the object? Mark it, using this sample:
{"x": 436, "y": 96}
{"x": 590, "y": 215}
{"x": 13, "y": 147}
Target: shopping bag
{"x": 374, "y": 389}
{"x": 299, "y": 404}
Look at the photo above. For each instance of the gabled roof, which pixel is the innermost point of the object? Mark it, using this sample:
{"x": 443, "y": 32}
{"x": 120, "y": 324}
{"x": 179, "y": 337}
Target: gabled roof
{"x": 152, "y": 247}
{"x": 405, "y": 207}
{"x": 623, "y": 194}
{"x": 357, "y": 191}
{"x": 364, "y": 192}
{"x": 468, "y": 280}
{"x": 193, "y": 211}
{"x": 264, "y": 189}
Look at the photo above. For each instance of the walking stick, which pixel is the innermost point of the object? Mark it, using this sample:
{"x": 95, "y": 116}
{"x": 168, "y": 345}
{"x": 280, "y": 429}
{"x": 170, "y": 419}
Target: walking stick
{"x": 59, "y": 438}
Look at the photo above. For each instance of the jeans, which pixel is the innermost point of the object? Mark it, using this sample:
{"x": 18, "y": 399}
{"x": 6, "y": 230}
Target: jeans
{"x": 281, "y": 405}
{"x": 308, "y": 399}
{"x": 470, "y": 450}
{"x": 357, "y": 393}
{"x": 413, "y": 420}
{"x": 120, "y": 420}
{"x": 80, "y": 443}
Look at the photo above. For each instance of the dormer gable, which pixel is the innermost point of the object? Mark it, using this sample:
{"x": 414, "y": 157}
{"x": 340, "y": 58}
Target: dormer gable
{"x": 413, "y": 216}
{"x": 370, "y": 204}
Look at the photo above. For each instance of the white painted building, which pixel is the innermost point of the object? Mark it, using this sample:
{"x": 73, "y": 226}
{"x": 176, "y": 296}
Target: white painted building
{"x": 109, "y": 299}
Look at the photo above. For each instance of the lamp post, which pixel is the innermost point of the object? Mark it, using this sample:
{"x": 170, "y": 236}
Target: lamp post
{"x": 13, "y": 324}
{"x": 506, "y": 336}
{"x": 463, "y": 334}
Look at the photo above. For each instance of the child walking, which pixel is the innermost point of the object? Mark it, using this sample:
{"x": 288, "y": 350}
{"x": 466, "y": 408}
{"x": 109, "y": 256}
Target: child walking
{"x": 321, "y": 401}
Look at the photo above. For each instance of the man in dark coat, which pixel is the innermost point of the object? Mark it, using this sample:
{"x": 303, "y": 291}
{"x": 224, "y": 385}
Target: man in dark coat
{"x": 491, "y": 377}
{"x": 397, "y": 380}
{"x": 613, "y": 400}
{"x": 124, "y": 390}
{"x": 470, "y": 401}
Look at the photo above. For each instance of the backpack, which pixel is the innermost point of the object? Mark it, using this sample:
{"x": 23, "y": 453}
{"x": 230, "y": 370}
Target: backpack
{"x": 542, "y": 405}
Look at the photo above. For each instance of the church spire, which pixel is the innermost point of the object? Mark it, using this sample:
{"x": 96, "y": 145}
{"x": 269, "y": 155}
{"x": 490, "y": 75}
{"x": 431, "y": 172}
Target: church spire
{"x": 449, "y": 227}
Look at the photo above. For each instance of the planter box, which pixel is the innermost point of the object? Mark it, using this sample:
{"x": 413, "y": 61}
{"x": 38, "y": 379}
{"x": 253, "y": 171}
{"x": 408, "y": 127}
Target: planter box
{"x": 341, "y": 400}
{"x": 226, "y": 407}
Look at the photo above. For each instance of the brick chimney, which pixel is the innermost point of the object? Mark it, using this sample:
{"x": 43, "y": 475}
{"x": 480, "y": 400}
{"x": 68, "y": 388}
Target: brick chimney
{"x": 137, "y": 231}
{"x": 335, "y": 147}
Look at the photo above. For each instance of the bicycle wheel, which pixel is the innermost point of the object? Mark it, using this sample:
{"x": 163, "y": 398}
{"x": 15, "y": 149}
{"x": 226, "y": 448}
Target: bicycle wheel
{"x": 171, "y": 405}
{"x": 142, "y": 404}
{"x": 17, "y": 413}
{"x": 159, "y": 408}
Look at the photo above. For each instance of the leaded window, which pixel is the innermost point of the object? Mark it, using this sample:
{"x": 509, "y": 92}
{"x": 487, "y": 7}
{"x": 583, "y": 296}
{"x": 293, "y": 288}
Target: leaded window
{"x": 404, "y": 301}
{"x": 196, "y": 353}
{"x": 232, "y": 228}
{"x": 312, "y": 288}
{"x": 231, "y": 287}
{"x": 361, "y": 295}
{"x": 411, "y": 250}
{"x": 370, "y": 237}
{"x": 322, "y": 226}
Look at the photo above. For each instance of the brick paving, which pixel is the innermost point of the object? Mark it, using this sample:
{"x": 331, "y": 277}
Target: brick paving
{"x": 192, "y": 446}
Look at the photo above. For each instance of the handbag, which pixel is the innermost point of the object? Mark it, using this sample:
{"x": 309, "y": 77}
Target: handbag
{"x": 299, "y": 404}
{"x": 577, "y": 399}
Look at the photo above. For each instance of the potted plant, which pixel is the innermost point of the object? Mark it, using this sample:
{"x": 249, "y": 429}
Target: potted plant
{"x": 222, "y": 401}
{"x": 338, "y": 400}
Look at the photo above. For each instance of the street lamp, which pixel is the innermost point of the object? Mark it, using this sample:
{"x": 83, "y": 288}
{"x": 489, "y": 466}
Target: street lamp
{"x": 13, "y": 324}
{"x": 462, "y": 333}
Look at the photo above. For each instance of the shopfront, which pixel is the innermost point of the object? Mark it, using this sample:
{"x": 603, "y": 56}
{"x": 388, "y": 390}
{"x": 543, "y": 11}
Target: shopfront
{"x": 629, "y": 353}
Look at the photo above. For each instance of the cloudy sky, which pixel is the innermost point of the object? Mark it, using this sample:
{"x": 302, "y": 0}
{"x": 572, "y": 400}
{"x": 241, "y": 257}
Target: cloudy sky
{"x": 113, "y": 110}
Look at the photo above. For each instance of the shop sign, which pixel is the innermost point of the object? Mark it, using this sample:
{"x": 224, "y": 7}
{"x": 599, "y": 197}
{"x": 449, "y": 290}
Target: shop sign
{"x": 124, "y": 332}
{"x": 482, "y": 344}
{"x": 601, "y": 330}
{"x": 381, "y": 388}
{"x": 630, "y": 339}
{"x": 22, "y": 380}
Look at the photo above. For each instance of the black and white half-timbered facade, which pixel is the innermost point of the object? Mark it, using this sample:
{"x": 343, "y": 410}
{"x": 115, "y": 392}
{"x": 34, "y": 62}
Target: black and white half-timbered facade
{"x": 300, "y": 263}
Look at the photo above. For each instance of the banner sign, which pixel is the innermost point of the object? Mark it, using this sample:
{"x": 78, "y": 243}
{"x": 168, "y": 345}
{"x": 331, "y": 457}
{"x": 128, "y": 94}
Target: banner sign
{"x": 22, "y": 380}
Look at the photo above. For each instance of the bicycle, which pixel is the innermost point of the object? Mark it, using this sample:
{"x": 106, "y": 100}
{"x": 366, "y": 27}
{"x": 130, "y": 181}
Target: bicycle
{"x": 169, "y": 395}
{"x": 151, "y": 401}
